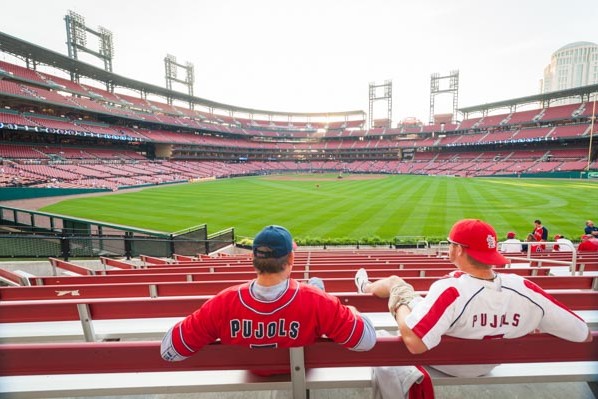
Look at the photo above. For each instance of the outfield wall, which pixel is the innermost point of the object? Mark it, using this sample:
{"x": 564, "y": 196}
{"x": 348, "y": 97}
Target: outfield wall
{"x": 550, "y": 175}
{"x": 17, "y": 193}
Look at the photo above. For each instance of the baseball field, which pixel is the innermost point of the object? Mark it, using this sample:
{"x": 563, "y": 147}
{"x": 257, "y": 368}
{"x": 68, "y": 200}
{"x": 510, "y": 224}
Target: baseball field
{"x": 354, "y": 206}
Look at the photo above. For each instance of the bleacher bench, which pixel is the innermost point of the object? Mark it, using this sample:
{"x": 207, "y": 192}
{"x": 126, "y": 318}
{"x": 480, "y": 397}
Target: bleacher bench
{"x": 124, "y": 368}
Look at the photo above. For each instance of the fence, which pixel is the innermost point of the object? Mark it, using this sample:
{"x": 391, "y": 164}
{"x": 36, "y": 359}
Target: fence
{"x": 26, "y": 233}
{"x": 128, "y": 245}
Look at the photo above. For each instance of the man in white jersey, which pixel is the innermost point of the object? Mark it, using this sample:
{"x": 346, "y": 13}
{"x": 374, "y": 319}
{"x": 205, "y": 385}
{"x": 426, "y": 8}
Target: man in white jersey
{"x": 511, "y": 244}
{"x": 565, "y": 244}
{"x": 473, "y": 302}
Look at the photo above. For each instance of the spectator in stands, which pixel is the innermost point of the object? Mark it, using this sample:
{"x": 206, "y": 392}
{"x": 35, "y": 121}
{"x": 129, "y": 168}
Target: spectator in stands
{"x": 540, "y": 233}
{"x": 535, "y": 248}
{"x": 511, "y": 244}
{"x": 272, "y": 310}
{"x": 588, "y": 244}
{"x": 473, "y": 302}
{"x": 565, "y": 245}
{"x": 590, "y": 229}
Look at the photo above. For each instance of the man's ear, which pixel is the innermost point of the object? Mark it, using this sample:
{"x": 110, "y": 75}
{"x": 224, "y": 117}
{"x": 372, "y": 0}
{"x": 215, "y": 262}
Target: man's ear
{"x": 291, "y": 260}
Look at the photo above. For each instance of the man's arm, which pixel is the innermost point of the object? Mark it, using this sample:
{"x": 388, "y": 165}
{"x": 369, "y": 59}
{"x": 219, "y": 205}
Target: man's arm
{"x": 347, "y": 326}
{"x": 413, "y": 343}
{"x": 167, "y": 349}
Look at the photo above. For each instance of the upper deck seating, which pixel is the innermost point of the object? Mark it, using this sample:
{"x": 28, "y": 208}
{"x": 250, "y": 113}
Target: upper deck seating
{"x": 570, "y": 131}
{"x": 523, "y": 117}
{"x": 21, "y": 72}
{"x": 532, "y": 133}
{"x": 469, "y": 123}
{"x": 493, "y": 120}
{"x": 559, "y": 112}
{"x": 64, "y": 84}
{"x": 16, "y": 118}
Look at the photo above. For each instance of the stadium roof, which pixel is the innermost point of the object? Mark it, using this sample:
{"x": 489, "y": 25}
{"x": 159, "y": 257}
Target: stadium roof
{"x": 544, "y": 98}
{"x": 41, "y": 55}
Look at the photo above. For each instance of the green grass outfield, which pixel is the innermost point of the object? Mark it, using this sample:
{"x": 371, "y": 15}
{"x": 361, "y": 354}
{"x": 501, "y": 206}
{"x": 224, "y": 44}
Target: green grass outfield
{"x": 356, "y": 206}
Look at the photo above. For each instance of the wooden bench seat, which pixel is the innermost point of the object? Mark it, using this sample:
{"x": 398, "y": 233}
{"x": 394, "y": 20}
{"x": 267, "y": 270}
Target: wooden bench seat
{"x": 151, "y": 328}
{"x": 134, "y": 319}
{"x": 148, "y": 289}
{"x": 192, "y": 274}
{"x": 117, "y": 368}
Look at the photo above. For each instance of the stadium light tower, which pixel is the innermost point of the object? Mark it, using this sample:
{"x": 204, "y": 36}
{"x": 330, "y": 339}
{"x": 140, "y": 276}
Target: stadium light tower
{"x": 75, "y": 33}
{"x": 374, "y": 96}
{"x": 106, "y": 47}
{"x": 453, "y": 88}
{"x": 170, "y": 74}
{"x": 76, "y": 40}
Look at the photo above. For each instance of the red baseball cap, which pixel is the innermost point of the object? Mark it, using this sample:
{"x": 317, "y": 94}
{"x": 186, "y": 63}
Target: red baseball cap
{"x": 510, "y": 234}
{"x": 478, "y": 239}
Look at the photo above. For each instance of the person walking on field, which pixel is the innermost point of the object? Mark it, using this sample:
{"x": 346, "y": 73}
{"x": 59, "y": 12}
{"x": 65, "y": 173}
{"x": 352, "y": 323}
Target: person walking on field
{"x": 474, "y": 301}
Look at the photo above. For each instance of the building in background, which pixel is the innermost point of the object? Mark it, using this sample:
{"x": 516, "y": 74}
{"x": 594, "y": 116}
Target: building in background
{"x": 573, "y": 65}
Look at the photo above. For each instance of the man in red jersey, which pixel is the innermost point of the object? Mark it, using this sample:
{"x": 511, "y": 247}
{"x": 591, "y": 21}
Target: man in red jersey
{"x": 588, "y": 244}
{"x": 272, "y": 311}
{"x": 540, "y": 233}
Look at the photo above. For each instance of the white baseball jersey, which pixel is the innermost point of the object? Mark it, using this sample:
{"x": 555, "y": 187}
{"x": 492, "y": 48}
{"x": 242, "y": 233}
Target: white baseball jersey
{"x": 512, "y": 245}
{"x": 509, "y": 307}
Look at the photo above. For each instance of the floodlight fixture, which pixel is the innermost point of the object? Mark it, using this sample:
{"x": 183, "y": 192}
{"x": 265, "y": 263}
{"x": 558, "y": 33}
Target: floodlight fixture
{"x": 387, "y": 96}
{"x": 190, "y": 80}
{"x": 76, "y": 33}
{"x": 106, "y": 44}
{"x": 170, "y": 66}
{"x": 77, "y": 27}
{"x": 453, "y": 89}
{"x": 171, "y": 70}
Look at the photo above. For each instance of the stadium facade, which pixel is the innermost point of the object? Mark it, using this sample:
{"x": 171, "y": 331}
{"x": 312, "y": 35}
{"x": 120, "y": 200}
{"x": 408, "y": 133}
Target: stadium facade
{"x": 573, "y": 65}
{"x": 67, "y": 124}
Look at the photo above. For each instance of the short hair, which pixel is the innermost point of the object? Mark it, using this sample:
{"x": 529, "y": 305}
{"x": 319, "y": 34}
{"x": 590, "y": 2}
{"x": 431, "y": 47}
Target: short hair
{"x": 270, "y": 265}
{"x": 537, "y": 221}
{"x": 476, "y": 263}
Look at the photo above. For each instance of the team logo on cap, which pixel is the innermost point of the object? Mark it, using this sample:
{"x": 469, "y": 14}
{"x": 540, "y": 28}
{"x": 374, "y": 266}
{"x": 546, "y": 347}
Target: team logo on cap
{"x": 491, "y": 241}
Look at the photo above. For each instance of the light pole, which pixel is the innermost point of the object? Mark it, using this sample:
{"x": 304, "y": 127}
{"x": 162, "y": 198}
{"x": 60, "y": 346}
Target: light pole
{"x": 591, "y": 134}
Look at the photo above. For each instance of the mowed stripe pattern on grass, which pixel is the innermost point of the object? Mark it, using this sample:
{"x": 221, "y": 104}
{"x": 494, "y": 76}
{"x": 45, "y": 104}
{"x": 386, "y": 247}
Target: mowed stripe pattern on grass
{"x": 326, "y": 207}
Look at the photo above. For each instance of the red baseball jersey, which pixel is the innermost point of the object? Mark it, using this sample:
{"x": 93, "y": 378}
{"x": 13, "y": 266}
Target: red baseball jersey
{"x": 299, "y": 316}
{"x": 588, "y": 245}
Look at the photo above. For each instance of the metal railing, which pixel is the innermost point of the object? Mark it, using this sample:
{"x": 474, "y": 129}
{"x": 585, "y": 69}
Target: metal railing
{"x": 127, "y": 245}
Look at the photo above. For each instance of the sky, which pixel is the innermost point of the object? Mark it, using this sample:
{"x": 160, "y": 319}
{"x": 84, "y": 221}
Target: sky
{"x": 321, "y": 55}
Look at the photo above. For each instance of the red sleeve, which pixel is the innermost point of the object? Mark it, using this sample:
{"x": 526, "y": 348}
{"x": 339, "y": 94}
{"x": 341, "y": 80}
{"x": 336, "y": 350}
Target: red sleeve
{"x": 337, "y": 321}
{"x": 198, "y": 329}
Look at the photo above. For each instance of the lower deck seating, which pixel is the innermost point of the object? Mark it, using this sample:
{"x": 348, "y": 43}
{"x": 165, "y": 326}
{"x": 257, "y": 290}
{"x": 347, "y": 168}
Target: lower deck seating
{"x": 34, "y": 333}
{"x": 116, "y": 368}
{"x": 148, "y": 318}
